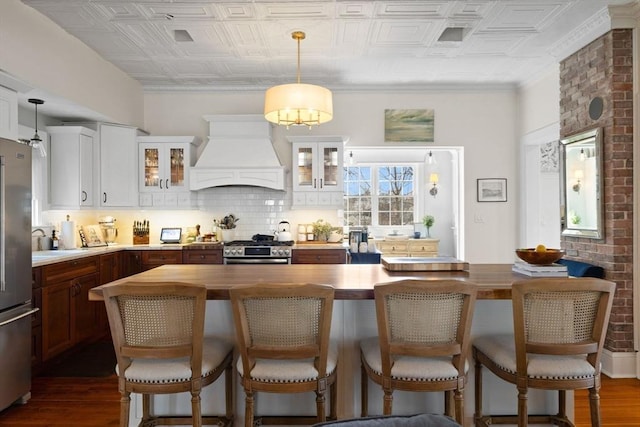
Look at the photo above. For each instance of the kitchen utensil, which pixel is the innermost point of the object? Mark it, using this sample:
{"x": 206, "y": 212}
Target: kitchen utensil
{"x": 284, "y": 231}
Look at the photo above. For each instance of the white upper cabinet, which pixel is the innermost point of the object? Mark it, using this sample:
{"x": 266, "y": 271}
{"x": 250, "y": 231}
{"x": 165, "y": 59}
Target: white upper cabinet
{"x": 317, "y": 172}
{"x": 118, "y": 166}
{"x": 164, "y": 170}
{"x": 71, "y": 178}
{"x": 8, "y": 113}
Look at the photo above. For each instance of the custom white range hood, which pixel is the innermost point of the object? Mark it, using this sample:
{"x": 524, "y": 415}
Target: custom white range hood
{"x": 239, "y": 152}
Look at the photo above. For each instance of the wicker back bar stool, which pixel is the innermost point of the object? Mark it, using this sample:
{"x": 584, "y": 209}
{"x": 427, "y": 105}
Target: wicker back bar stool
{"x": 423, "y": 341}
{"x": 559, "y": 329}
{"x": 158, "y": 337}
{"x": 282, "y": 333}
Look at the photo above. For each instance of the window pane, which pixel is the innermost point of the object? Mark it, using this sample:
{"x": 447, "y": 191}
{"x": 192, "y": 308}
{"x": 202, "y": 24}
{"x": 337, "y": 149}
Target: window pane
{"x": 393, "y": 198}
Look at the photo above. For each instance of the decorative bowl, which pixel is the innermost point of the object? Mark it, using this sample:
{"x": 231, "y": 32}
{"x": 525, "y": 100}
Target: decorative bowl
{"x": 531, "y": 256}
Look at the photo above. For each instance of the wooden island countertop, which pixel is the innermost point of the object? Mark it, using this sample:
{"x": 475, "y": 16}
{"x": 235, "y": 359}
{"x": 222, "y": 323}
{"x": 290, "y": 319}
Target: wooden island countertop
{"x": 351, "y": 281}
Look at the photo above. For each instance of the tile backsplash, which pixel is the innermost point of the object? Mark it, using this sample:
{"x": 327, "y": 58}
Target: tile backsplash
{"x": 259, "y": 210}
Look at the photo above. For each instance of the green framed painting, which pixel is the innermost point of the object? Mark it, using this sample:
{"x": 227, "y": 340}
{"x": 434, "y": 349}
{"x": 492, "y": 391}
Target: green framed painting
{"x": 408, "y": 125}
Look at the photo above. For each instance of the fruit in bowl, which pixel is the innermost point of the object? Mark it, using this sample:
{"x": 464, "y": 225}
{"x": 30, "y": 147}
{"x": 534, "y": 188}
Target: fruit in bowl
{"x": 540, "y": 255}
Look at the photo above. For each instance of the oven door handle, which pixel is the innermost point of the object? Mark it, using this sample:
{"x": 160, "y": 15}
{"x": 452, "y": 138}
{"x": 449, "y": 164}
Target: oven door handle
{"x": 257, "y": 261}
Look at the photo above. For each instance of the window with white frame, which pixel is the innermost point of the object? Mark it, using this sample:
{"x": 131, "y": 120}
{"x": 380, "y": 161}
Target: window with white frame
{"x": 379, "y": 195}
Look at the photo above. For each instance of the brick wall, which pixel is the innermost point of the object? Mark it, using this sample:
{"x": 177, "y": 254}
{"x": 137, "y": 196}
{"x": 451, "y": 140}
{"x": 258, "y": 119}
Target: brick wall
{"x": 604, "y": 69}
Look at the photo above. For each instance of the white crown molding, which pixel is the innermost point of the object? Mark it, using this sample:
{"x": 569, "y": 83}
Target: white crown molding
{"x": 590, "y": 30}
{"x": 625, "y": 16}
{"x": 426, "y": 87}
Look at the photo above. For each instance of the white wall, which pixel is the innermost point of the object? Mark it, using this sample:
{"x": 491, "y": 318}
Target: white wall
{"x": 481, "y": 121}
{"x": 37, "y": 51}
{"x": 539, "y": 113}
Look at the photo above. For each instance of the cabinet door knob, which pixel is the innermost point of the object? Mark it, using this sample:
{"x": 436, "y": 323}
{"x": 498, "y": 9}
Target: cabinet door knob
{"x": 104, "y": 197}
{"x": 84, "y": 196}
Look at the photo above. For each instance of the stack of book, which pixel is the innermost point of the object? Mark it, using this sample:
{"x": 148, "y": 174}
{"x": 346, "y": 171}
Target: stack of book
{"x": 552, "y": 270}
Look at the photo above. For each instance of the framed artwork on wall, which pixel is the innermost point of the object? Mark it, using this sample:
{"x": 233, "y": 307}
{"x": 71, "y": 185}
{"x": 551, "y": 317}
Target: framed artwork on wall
{"x": 408, "y": 125}
{"x": 492, "y": 189}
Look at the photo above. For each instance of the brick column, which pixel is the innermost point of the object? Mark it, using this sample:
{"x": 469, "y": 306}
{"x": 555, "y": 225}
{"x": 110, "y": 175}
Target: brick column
{"x": 604, "y": 68}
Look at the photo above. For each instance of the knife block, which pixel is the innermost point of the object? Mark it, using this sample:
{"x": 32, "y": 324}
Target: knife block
{"x": 141, "y": 240}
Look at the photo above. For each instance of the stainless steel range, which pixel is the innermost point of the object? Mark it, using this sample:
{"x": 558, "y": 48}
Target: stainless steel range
{"x": 257, "y": 252}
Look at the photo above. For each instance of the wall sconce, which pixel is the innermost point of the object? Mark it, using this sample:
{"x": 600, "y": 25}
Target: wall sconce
{"x": 578, "y": 175}
{"x": 433, "y": 178}
{"x": 350, "y": 157}
{"x": 582, "y": 156}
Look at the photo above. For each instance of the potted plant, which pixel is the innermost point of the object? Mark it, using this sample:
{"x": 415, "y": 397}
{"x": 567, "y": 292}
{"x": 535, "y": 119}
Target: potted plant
{"x": 227, "y": 226}
{"x": 322, "y": 230}
{"x": 428, "y": 221}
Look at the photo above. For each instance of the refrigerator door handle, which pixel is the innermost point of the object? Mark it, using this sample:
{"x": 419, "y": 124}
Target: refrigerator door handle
{"x": 19, "y": 316}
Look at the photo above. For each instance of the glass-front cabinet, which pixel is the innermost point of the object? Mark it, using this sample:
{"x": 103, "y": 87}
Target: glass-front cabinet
{"x": 164, "y": 170}
{"x": 317, "y": 171}
{"x": 164, "y": 167}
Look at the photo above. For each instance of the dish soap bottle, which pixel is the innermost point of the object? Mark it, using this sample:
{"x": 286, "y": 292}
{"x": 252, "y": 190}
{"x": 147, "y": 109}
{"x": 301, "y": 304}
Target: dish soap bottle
{"x": 54, "y": 240}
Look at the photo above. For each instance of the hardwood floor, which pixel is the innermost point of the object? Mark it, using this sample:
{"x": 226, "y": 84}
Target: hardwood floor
{"x": 66, "y": 402}
{"x": 94, "y": 402}
{"x": 619, "y": 403}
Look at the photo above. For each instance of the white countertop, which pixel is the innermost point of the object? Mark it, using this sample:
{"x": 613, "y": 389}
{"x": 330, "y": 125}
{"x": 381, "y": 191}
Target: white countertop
{"x": 40, "y": 258}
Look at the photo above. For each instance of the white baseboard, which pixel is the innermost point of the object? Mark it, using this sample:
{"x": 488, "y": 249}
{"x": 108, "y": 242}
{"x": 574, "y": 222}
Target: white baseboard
{"x": 619, "y": 364}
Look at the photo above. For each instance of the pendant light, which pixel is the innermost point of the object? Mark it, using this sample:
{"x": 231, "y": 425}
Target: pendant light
{"x": 297, "y": 103}
{"x": 36, "y": 141}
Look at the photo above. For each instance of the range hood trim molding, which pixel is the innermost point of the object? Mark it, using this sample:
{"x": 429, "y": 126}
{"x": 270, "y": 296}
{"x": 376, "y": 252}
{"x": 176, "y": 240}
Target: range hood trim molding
{"x": 268, "y": 177}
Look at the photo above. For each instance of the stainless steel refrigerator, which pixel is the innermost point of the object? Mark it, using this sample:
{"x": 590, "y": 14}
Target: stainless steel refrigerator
{"x": 15, "y": 272}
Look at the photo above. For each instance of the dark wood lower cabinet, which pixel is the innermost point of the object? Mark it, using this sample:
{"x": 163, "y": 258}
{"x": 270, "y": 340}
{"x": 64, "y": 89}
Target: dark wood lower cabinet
{"x": 68, "y": 317}
{"x": 130, "y": 263}
{"x": 319, "y": 256}
{"x": 204, "y": 256}
{"x": 155, "y": 258}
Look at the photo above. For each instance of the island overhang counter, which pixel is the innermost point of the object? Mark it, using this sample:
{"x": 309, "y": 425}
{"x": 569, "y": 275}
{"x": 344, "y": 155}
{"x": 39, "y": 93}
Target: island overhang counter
{"x": 351, "y": 281}
{"x": 353, "y": 319}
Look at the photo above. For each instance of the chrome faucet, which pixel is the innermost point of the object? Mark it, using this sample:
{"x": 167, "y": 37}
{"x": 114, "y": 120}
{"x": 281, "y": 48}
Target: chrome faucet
{"x": 39, "y": 242}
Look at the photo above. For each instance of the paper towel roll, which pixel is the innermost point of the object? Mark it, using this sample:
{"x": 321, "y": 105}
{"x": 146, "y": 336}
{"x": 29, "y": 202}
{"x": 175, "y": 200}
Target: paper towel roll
{"x": 69, "y": 234}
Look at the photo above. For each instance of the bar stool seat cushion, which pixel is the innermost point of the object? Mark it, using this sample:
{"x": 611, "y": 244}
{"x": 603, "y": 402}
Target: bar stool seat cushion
{"x": 178, "y": 370}
{"x": 501, "y": 349}
{"x": 290, "y": 371}
{"x": 410, "y": 368}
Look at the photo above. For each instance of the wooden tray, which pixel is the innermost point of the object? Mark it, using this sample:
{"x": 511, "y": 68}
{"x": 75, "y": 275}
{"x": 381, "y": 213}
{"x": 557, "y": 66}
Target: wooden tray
{"x": 423, "y": 264}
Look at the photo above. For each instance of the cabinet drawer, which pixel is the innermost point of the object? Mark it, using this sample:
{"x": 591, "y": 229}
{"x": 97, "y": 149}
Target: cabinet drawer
{"x": 319, "y": 256}
{"x": 393, "y": 247}
{"x": 428, "y": 247}
{"x": 202, "y": 257}
{"x": 161, "y": 257}
{"x": 423, "y": 247}
{"x": 62, "y": 271}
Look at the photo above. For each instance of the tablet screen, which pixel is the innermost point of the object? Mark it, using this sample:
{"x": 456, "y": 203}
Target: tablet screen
{"x": 170, "y": 235}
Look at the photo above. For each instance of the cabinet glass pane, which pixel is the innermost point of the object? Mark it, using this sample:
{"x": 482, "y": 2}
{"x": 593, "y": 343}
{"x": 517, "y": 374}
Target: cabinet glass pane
{"x": 151, "y": 167}
{"x": 177, "y": 167}
{"x": 305, "y": 168}
{"x": 332, "y": 170}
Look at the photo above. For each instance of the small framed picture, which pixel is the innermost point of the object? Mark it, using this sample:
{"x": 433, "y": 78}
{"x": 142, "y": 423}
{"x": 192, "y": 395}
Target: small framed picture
{"x": 492, "y": 190}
